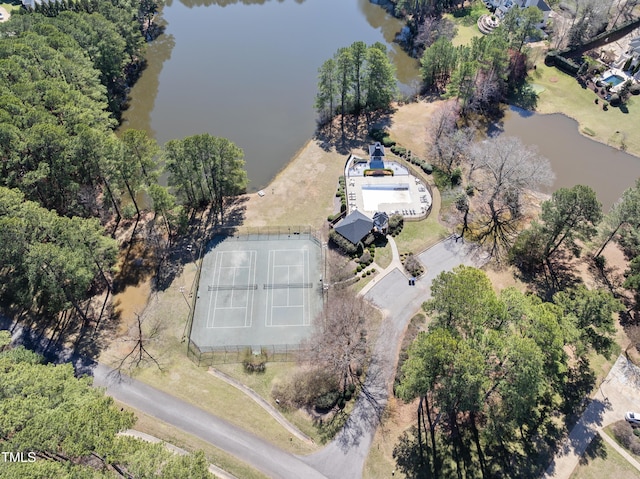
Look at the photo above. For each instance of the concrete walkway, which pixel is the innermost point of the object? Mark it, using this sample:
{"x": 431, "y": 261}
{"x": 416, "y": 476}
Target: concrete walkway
{"x": 213, "y": 469}
{"x": 618, "y": 393}
{"x": 273, "y": 412}
{"x": 395, "y": 264}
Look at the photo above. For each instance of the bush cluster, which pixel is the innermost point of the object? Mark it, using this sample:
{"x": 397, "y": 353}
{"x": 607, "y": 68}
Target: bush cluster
{"x": 342, "y": 243}
{"x": 307, "y": 388}
{"x": 624, "y": 434}
{"x": 396, "y": 222}
{"x": 254, "y": 363}
{"x": 412, "y": 265}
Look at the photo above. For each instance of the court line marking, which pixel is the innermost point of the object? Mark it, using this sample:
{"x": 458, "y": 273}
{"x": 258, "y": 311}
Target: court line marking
{"x": 220, "y": 254}
{"x": 270, "y": 294}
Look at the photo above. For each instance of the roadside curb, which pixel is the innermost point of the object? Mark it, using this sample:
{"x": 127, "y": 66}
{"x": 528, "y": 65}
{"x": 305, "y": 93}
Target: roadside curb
{"x": 213, "y": 469}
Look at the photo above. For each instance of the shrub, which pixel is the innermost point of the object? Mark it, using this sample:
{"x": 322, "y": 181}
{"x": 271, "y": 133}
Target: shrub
{"x": 388, "y": 142}
{"x": 369, "y": 239}
{"x": 615, "y": 100}
{"x": 342, "y": 243}
{"x": 398, "y": 150}
{"x": 426, "y": 167}
{"x": 377, "y": 134}
{"x": 305, "y": 388}
{"x": 128, "y": 211}
{"x": 359, "y": 268}
{"x": 254, "y": 363}
{"x": 343, "y": 207}
{"x": 456, "y": 176}
{"x": 412, "y": 265}
{"x": 470, "y": 190}
{"x": 330, "y": 218}
{"x": 635, "y": 88}
{"x": 624, "y": 434}
{"x": 396, "y": 222}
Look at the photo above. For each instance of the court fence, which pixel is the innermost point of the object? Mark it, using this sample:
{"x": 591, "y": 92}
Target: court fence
{"x": 209, "y": 356}
{"x": 262, "y": 233}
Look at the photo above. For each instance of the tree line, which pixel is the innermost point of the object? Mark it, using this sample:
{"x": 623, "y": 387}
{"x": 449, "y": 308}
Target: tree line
{"x": 483, "y": 73}
{"x": 358, "y": 78}
{"x": 63, "y": 170}
{"x": 71, "y": 428}
{"x": 493, "y": 372}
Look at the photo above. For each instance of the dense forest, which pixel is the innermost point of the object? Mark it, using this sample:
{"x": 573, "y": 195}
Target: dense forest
{"x": 65, "y": 70}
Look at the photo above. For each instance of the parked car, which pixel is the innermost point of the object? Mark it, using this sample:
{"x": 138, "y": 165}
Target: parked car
{"x": 632, "y": 418}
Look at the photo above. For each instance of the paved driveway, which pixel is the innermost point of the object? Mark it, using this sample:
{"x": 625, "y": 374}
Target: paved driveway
{"x": 345, "y": 456}
{"x": 619, "y": 393}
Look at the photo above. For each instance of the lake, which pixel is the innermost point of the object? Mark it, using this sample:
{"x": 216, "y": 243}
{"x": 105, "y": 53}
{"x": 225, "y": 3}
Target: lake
{"x": 247, "y": 71}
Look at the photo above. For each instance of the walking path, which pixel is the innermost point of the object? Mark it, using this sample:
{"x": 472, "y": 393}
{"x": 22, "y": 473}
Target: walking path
{"x": 618, "y": 393}
{"x": 395, "y": 263}
{"x": 275, "y": 414}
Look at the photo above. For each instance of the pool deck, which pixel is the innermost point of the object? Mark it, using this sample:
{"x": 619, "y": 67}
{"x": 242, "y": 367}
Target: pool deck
{"x": 419, "y": 196}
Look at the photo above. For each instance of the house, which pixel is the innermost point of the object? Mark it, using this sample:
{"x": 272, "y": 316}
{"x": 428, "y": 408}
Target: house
{"x": 503, "y": 6}
{"x": 376, "y": 156}
{"x": 354, "y": 226}
{"x": 633, "y": 53}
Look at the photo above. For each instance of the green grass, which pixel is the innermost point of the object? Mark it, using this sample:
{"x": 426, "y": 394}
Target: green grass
{"x": 563, "y": 94}
{"x": 383, "y": 257}
{"x": 601, "y": 460}
{"x": 181, "y": 439}
{"x": 464, "y": 33}
{"x": 11, "y": 6}
{"x": 416, "y": 236}
{"x": 262, "y": 383}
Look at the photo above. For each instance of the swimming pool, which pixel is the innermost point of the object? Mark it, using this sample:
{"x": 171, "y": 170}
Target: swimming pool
{"x": 386, "y": 187}
{"x": 613, "y": 80}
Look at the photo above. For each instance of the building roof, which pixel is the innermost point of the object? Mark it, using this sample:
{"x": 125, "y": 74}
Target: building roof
{"x": 380, "y": 219}
{"x": 377, "y": 149}
{"x": 542, "y": 5}
{"x": 354, "y": 226}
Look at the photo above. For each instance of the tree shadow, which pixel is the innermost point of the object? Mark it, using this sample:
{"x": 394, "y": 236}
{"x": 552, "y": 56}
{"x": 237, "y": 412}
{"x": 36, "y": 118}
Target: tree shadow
{"x": 595, "y": 450}
{"x": 356, "y": 131}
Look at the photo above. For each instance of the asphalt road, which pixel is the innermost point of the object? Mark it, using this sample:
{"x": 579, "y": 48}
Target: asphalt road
{"x": 260, "y": 454}
{"x": 345, "y": 456}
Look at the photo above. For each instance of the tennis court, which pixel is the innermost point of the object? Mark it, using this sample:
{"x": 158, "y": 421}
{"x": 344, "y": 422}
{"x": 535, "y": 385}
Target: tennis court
{"x": 258, "y": 290}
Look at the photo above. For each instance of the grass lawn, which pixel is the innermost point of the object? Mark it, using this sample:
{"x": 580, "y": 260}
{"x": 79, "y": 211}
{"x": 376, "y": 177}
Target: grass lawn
{"x": 262, "y": 384}
{"x": 183, "y": 379}
{"x": 11, "y": 6}
{"x": 176, "y": 437}
{"x": 465, "y": 32}
{"x": 563, "y": 94}
{"x": 384, "y": 255}
{"x": 416, "y": 236}
{"x": 603, "y": 461}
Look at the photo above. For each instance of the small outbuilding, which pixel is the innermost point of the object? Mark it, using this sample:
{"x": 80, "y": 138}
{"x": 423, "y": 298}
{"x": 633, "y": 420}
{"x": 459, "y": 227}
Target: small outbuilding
{"x": 376, "y": 156}
{"x": 354, "y": 226}
{"x": 381, "y": 222}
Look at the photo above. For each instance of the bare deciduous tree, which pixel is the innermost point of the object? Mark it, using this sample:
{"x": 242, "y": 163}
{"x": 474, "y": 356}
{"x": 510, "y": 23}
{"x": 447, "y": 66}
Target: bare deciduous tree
{"x": 139, "y": 354}
{"x": 504, "y": 169}
{"x": 447, "y": 144}
{"x": 339, "y": 339}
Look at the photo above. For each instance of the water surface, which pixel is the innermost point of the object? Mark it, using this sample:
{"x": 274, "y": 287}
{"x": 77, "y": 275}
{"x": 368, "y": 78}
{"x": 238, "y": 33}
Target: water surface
{"x": 247, "y": 71}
